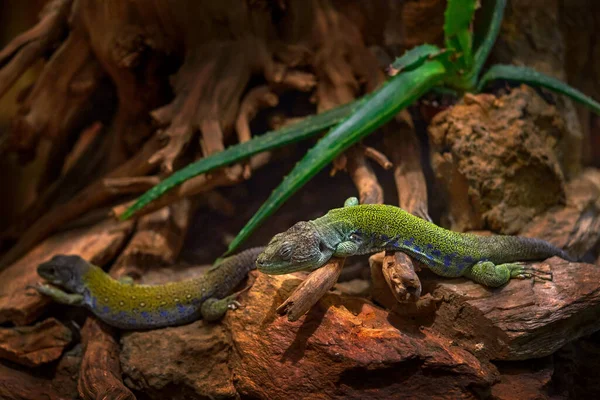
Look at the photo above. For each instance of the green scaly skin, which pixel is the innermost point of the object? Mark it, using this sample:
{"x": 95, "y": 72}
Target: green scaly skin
{"x": 125, "y": 305}
{"x": 363, "y": 229}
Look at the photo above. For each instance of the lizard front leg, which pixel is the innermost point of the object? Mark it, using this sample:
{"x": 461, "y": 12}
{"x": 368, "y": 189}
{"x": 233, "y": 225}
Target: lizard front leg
{"x": 60, "y": 296}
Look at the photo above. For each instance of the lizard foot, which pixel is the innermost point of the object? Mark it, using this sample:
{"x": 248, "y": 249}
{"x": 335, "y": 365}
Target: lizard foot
{"x": 521, "y": 271}
{"x": 58, "y": 295}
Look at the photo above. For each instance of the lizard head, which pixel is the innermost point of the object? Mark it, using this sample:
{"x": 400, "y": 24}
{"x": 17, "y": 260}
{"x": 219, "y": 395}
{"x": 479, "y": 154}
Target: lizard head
{"x": 300, "y": 248}
{"x": 65, "y": 271}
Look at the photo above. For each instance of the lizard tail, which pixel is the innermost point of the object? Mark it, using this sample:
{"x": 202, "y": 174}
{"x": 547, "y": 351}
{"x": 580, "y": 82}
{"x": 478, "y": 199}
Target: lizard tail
{"x": 512, "y": 248}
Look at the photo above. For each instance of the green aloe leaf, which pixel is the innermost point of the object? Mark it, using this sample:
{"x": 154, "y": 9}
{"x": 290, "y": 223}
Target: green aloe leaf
{"x": 383, "y": 104}
{"x": 414, "y": 57}
{"x": 302, "y": 130}
{"x": 457, "y": 30}
{"x": 534, "y": 78}
{"x": 489, "y": 38}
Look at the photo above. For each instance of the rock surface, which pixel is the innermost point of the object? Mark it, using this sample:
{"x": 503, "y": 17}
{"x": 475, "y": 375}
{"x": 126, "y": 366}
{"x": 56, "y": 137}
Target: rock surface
{"x": 524, "y": 319}
{"x": 34, "y": 345}
{"x": 497, "y": 159}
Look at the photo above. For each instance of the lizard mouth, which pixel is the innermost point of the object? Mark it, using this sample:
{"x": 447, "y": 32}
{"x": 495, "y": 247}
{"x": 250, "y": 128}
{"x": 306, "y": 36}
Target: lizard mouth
{"x": 277, "y": 268}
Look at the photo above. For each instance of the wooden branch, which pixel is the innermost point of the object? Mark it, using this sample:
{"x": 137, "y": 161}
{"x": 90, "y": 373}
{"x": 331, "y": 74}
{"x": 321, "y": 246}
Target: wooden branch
{"x": 78, "y": 170}
{"x": 60, "y": 98}
{"x": 400, "y": 275}
{"x": 100, "y": 373}
{"x": 199, "y": 184}
{"x": 403, "y": 147}
{"x": 94, "y": 195}
{"x": 128, "y": 185}
{"x": 311, "y": 290}
{"x": 364, "y": 178}
{"x": 29, "y": 46}
{"x": 256, "y": 99}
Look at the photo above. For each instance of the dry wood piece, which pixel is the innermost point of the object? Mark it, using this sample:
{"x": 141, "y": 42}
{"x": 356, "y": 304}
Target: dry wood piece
{"x": 401, "y": 277}
{"x": 402, "y": 145}
{"x": 131, "y": 185}
{"x": 199, "y": 184}
{"x": 34, "y": 345}
{"x": 100, "y": 375}
{"x": 311, "y": 289}
{"x": 157, "y": 241}
{"x": 364, "y": 178}
{"x": 26, "y": 48}
{"x": 60, "y": 98}
{"x": 79, "y": 166}
{"x": 98, "y": 244}
{"x": 92, "y": 196}
{"x": 256, "y": 99}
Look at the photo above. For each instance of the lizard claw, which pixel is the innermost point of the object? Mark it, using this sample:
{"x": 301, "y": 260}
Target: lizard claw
{"x": 234, "y": 305}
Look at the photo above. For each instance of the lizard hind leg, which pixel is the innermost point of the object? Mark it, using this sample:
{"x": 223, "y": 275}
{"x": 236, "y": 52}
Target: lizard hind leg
{"x": 495, "y": 275}
{"x": 214, "y": 309}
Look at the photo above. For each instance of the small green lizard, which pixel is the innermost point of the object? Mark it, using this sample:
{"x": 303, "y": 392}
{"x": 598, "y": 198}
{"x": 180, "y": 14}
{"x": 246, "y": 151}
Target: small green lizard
{"x": 131, "y": 306}
{"x": 369, "y": 228}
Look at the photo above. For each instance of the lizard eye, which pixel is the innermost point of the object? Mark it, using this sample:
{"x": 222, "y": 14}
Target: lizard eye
{"x": 322, "y": 247}
{"x": 354, "y": 237}
{"x": 285, "y": 252}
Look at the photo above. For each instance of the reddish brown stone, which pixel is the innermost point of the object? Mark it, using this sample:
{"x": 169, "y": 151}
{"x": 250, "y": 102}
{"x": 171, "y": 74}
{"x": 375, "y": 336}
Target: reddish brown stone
{"x": 524, "y": 319}
{"x": 343, "y": 348}
{"x": 499, "y": 159}
{"x": 34, "y": 345}
{"x": 531, "y": 381}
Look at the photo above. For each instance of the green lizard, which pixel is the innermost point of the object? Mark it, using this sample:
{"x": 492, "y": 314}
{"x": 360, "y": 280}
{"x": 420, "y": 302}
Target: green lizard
{"x": 362, "y": 229}
{"x": 131, "y": 306}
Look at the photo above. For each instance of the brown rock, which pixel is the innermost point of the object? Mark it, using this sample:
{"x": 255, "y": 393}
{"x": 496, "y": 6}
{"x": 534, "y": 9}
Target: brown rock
{"x": 531, "y": 380}
{"x": 575, "y": 227}
{"x": 576, "y": 368}
{"x": 19, "y": 385}
{"x": 498, "y": 161}
{"x": 181, "y": 362}
{"x": 343, "y": 348}
{"x": 97, "y": 244}
{"x": 524, "y": 319}
{"x": 34, "y": 345}
{"x": 189, "y": 361}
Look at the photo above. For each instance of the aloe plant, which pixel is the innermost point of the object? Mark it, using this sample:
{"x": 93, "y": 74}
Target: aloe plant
{"x": 427, "y": 67}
